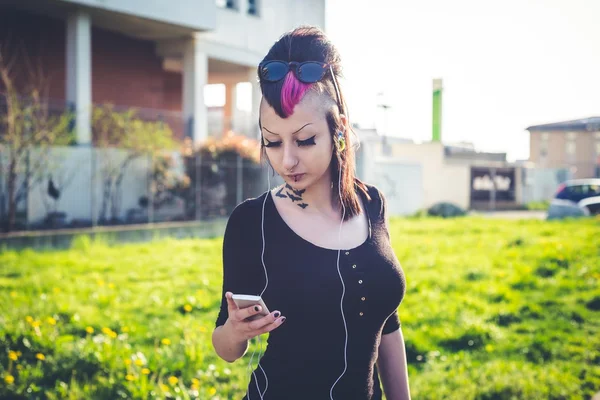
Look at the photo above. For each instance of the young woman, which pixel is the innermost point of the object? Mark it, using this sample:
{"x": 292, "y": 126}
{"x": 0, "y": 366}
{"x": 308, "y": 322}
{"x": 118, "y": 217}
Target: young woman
{"x": 316, "y": 249}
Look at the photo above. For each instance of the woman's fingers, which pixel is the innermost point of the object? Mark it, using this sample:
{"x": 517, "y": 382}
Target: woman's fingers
{"x": 250, "y": 329}
{"x": 231, "y": 306}
{"x": 243, "y": 313}
{"x": 266, "y": 324}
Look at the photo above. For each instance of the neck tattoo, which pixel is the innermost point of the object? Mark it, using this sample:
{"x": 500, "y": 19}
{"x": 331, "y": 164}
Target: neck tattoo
{"x": 292, "y": 194}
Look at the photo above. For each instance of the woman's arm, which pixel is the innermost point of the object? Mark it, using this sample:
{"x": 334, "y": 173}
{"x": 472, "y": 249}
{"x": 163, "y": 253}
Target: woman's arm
{"x": 391, "y": 363}
{"x": 226, "y": 345}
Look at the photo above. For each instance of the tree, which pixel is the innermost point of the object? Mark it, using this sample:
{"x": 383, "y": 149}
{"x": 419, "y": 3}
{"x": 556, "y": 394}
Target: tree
{"x": 124, "y": 137}
{"x": 28, "y": 131}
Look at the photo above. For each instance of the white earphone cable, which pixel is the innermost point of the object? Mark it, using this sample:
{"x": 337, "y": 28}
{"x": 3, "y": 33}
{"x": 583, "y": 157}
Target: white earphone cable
{"x": 343, "y": 285}
{"x": 262, "y": 257}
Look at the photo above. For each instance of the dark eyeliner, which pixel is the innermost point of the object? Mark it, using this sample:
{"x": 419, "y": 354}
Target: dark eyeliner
{"x": 307, "y": 142}
{"x": 271, "y": 144}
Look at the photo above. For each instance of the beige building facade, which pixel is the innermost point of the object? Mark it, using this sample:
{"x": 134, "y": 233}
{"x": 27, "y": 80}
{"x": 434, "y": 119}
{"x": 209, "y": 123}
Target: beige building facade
{"x": 574, "y": 145}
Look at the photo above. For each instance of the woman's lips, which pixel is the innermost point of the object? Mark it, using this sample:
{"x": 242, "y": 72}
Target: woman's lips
{"x": 296, "y": 177}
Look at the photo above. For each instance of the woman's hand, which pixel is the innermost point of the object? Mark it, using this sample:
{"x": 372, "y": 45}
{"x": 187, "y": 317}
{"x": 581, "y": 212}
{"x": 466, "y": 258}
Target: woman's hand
{"x": 245, "y": 330}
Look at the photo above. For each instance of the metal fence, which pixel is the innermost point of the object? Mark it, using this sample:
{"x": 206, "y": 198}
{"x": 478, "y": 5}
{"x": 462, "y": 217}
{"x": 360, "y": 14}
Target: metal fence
{"x": 87, "y": 187}
{"x": 115, "y": 180}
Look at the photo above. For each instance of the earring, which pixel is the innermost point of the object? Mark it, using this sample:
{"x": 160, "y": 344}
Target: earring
{"x": 341, "y": 141}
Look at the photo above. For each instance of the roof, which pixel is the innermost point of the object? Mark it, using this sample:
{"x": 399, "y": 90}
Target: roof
{"x": 586, "y": 124}
{"x": 586, "y": 181}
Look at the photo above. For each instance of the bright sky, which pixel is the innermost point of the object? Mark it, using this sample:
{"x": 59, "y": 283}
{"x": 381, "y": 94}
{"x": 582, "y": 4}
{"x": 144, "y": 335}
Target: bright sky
{"x": 505, "y": 65}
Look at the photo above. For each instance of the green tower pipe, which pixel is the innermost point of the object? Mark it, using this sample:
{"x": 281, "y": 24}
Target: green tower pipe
{"x": 436, "y": 120}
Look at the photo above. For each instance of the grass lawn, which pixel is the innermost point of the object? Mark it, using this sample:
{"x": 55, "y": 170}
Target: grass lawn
{"x": 494, "y": 309}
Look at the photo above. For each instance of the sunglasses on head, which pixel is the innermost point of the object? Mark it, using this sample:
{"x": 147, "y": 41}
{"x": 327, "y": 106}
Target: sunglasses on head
{"x": 307, "y": 72}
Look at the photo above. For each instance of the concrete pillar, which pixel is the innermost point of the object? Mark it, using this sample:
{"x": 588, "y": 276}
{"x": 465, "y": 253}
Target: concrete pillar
{"x": 195, "y": 77}
{"x": 230, "y": 108}
{"x": 256, "y": 97}
{"x": 79, "y": 73}
{"x": 242, "y": 6}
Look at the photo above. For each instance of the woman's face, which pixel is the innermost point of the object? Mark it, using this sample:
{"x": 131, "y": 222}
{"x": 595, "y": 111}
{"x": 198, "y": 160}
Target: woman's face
{"x": 300, "y": 146}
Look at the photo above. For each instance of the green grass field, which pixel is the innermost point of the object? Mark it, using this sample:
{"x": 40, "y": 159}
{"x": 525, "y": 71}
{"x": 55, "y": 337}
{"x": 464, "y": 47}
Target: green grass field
{"x": 494, "y": 309}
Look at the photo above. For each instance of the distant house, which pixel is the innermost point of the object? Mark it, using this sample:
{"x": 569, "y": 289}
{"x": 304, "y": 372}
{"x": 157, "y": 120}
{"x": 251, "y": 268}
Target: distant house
{"x": 570, "y": 144}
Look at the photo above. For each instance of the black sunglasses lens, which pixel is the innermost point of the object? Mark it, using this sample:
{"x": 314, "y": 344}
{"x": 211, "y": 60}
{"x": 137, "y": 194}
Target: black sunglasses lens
{"x": 311, "y": 72}
{"x": 274, "y": 71}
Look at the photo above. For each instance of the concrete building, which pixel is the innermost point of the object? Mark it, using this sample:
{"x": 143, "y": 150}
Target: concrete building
{"x": 157, "y": 56}
{"x": 154, "y": 55}
{"x": 572, "y": 145}
{"x": 418, "y": 175}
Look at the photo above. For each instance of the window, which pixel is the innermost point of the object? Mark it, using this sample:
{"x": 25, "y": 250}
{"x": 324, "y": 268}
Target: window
{"x": 214, "y": 95}
{"x": 571, "y": 148}
{"x": 230, "y": 4}
{"x": 571, "y": 135}
{"x": 545, "y": 136}
{"x": 253, "y": 7}
{"x": 544, "y": 148}
{"x": 598, "y": 148}
{"x": 243, "y": 96}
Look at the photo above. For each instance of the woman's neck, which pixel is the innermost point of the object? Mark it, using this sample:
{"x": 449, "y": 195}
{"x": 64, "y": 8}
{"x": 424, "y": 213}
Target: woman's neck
{"x": 317, "y": 198}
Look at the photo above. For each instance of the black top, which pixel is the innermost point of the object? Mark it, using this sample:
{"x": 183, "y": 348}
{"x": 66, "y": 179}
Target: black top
{"x": 305, "y": 355}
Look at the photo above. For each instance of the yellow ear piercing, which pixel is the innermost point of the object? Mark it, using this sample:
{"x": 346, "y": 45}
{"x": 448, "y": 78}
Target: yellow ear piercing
{"x": 341, "y": 141}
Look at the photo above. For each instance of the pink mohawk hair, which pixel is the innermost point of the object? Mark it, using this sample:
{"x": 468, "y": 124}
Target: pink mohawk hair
{"x": 292, "y": 92}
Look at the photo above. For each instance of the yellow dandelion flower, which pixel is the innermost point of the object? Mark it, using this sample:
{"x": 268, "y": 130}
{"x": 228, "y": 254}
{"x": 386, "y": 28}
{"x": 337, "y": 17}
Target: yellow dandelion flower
{"x": 145, "y": 371}
{"x": 195, "y": 381}
{"x": 35, "y": 324}
{"x": 111, "y": 285}
{"x": 13, "y": 355}
{"x": 108, "y": 332}
{"x": 187, "y": 308}
{"x": 166, "y": 341}
{"x": 194, "y": 387}
{"x": 173, "y": 380}
{"x": 19, "y": 354}
{"x": 100, "y": 282}
{"x": 127, "y": 361}
{"x": 89, "y": 330}
{"x": 51, "y": 321}
{"x": 13, "y": 294}
{"x": 130, "y": 377}
{"x": 203, "y": 329}
{"x": 164, "y": 387}
{"x": 9, "y": 379}
{"x": 125, "y": 329}
{"x": 56, "y": 290}
{"x": 29, "y": 319}
{"x": 40, "y": 356}
{"x": 112, "y": 334}
{"x": 138, "y": 362}
{"x": 212, "y": 391}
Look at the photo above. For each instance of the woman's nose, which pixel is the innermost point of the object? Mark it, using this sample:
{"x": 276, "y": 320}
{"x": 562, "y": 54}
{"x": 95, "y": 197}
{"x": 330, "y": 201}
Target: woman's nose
{"x": 289, "y": 157}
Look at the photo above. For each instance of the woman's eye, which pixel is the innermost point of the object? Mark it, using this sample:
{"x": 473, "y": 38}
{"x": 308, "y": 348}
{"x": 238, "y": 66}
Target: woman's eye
{"x": 307, "y": 142}
{"x": 272, "y": 144}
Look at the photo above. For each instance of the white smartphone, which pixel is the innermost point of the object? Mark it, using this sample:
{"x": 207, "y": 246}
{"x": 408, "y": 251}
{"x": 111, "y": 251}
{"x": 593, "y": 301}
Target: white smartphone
{"x": 247, "y": 300}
